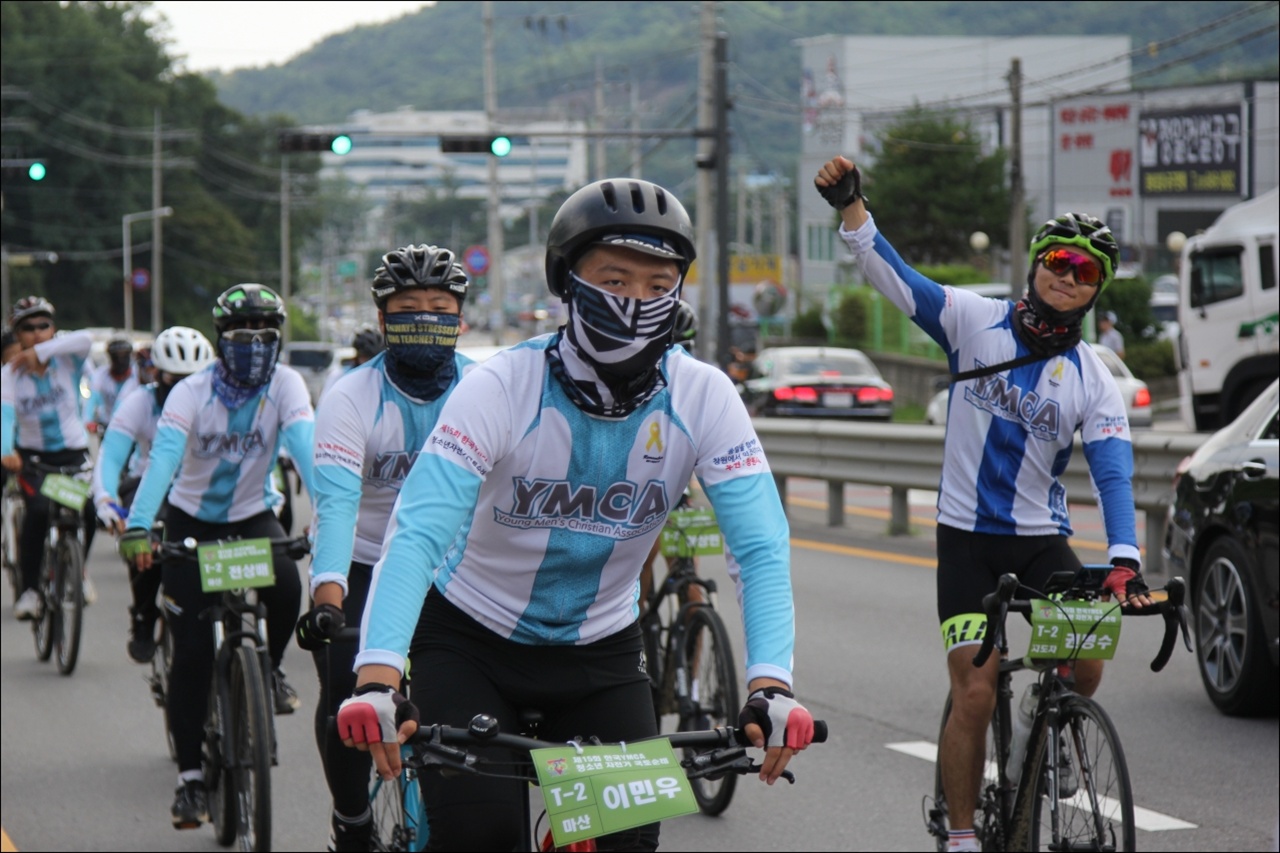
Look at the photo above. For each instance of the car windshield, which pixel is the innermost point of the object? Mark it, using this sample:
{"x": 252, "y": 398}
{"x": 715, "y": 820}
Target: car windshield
{"x": 1165, "y": 313}
{"x": 315, "y": 359}
{"x": 843, "y": 364}
{"x": 1112, "y": 361}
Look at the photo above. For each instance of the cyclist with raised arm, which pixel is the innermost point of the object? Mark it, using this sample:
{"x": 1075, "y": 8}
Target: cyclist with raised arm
{"x": 530, "y": 509}
{"x": 1024, "y": 384}
{"x": 179, "y": 351}
{"x": 214, "y": 448}
{"x": 373, "y": 422}
{"x": 40, "y": 417}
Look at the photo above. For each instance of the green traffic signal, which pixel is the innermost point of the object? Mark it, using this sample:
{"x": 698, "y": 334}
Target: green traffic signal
{"x": 500, "y": 146}
{"x": 341, "y": 145}
{"x": 37, "y": 171}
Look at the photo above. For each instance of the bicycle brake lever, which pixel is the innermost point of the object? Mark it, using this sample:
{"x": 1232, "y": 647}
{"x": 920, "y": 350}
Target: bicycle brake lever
{"x": 786, "y": 774}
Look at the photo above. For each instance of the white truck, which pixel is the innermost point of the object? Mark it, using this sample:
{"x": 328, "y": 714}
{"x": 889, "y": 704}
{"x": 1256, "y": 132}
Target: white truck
{"x": 1229, "y": 346}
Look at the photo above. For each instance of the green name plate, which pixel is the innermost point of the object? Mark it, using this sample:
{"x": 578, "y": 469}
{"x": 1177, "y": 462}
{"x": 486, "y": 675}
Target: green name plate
{"x": 236, "y": 565}
{"x": 65, "y": 490}
{"x": 1087, "y": 630}
{"x": 692, "y": 533}
{"x": 595, "y": 790}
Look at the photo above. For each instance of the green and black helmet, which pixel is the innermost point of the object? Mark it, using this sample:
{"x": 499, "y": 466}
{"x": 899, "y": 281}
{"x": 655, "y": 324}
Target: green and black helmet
{"x": 248, "y": 302}
{"x": 1087, "y": 232}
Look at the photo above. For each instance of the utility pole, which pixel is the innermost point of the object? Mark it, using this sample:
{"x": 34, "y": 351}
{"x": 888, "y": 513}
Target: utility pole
{"x": 285, "y": 253}
{"x": 601, "y": 170}
{"x": 497, "y": 289}
{"x": 705, "y": 343}
{"x": 157, "y": 235}
{"x": 722, "y": 197}
{"x": 1017, "y": 202}
{"x": 634, "y": 92}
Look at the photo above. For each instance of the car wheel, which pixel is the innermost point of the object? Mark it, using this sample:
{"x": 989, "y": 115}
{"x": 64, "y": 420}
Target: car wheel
{"x": 1230, "y": 647}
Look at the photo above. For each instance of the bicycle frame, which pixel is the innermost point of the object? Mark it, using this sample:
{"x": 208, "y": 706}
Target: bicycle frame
{"x": 664, "y": 638}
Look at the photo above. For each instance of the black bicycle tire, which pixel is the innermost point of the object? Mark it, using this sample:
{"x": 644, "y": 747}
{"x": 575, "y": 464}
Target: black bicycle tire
{"x": 985, "y": 808}
{"x": 1076, "y": 714}
{"x": 70, "y": 578}
{"x": 725, "y": 704}
{"x": 219, "y": 782}
{"x": 161, "y": 667}
{"x": 45, "y": 626}
{"x": 251, "y": 720}
{"x": 14, "y": 567}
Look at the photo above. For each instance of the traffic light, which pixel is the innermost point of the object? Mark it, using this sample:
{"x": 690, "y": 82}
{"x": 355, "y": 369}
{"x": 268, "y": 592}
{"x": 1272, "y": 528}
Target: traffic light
{"x": 294, "y": 140}
{"x": 32, "y": 170}
{"x": 498, "y": 146}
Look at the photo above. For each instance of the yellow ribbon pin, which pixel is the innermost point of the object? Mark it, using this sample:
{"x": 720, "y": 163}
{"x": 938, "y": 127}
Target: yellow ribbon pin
{"x": 655, "y": 437}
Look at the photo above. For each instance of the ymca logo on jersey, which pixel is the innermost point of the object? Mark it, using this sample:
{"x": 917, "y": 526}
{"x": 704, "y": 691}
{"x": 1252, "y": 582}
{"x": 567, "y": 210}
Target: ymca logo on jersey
{"x": 1001, "y": 398}
{"x": 622, "y": 510}
{"x": 390, "y": 469}
{"x": 231, "y": 446}
{"x": 50, "y": 400}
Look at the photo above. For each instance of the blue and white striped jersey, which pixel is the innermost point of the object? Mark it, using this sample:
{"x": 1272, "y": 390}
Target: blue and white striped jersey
{"x": 534, "y": 517}
{"x": 368, "y": 434}
{"x": 1009, "y": 435}
{"x": 106, "y": 392}
{"x": 127, "y": 441}
{"x": 42, "y": 413}
{"x": 226, "y": 455}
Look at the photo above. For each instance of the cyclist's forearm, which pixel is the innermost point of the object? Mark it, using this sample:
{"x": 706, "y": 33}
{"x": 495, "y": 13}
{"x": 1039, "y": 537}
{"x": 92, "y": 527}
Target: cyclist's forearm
{"x": 337, "y": 502}
{"x": 299, "y": 438}
{"x": 166, "y": 456}
{"x": 8, "y": 428}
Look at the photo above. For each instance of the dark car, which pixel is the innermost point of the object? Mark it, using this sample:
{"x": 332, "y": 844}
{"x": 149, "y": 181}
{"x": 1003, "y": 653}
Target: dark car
{"x": 817, "y": 382}
{"x": 1223, "y": 537}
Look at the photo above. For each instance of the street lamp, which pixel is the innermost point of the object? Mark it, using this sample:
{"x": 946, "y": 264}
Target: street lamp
{"x": 979, "y": 242}
{"x": 126, "y": 260}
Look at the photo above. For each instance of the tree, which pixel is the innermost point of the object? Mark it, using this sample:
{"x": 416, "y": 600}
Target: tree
{"x": 932, "y": 186}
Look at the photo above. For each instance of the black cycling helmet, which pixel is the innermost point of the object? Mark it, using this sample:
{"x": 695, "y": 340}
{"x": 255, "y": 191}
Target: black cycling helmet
{"x": 248, "y": 302}
{"x": 1087, "y": 232}
{"x": 29, "y": 306}
{"x": 368, "y": 342}
{"x": 623, "y": 212}
{"x": 686, "y": 328}
{"x": 419, "y": 266}
{"x": 120, "y": 346}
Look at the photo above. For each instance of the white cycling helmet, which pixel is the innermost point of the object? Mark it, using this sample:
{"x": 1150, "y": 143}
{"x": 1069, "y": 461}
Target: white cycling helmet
{"x": 181, "y": 350}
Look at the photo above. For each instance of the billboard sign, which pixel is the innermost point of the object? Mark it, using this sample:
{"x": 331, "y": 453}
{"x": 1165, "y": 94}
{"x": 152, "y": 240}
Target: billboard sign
{"x": 1190, "y": 151}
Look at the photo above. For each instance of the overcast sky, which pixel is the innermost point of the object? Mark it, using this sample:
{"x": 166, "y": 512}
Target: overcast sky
{"x": 225, "y": 35}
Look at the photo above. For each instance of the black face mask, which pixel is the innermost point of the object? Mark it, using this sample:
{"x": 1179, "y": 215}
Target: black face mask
{"x": 420, "y": 350}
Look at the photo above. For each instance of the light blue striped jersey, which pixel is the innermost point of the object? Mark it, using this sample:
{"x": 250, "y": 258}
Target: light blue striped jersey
{"x": 42, "y": 413}
{"x": 127, "y": 442}
{"x": 368, "y": 434}
{"x": 1010, "y": 434}
{"x": 106, "y": 392}
{"x": 534, "y": 517}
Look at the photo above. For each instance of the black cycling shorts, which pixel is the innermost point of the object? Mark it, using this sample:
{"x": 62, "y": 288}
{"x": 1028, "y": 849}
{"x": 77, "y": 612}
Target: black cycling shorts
{"x": 970, "y": 565}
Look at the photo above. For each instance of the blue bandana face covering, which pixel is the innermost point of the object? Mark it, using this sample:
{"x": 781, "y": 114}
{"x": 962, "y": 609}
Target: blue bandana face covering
{"x": 248, "y": 359}
{"x": 420, "y": 349}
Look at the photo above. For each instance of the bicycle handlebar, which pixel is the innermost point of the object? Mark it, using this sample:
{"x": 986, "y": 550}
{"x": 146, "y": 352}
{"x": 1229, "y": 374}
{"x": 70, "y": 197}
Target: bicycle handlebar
{"x": 446, "y": 746}
{"x": 1169, "y": 604}
{"x": 295, "y": 548}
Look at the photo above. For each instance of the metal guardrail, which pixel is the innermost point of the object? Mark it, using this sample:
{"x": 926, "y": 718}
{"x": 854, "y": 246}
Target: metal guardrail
{"x": 909, "y": 456}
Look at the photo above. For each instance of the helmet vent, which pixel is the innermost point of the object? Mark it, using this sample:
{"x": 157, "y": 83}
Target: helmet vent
{"x": 637, "y": 198}
{"x": 662, "y": 200}
{"x": 610, "y": 196}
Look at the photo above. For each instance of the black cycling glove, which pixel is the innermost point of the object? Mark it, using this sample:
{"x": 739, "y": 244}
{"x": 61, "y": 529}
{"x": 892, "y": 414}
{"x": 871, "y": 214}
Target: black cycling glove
{"x": 843, "y": 192}
{"x": 1125, "y": 579}
{"x": 319, "y": 625}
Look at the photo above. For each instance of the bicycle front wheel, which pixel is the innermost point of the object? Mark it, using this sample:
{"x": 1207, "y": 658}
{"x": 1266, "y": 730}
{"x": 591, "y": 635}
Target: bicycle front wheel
{"x": 399, "y": 817}
{"x": 1086, "y": 802}
{"x": 713, "y": 689}
{"x": 70, "y": 579}
{"x": 161, "y": 666}
{"x": 251, "y": 760}
{"x": 46, "y": 625}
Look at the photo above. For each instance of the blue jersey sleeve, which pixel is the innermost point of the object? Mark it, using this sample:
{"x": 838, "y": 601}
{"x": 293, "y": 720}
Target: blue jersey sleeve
{"x": 337, "y": 503}
{"x": 166, "y": 456}
{"x": 1111, "y": 467}
{"x": 755, "y": 528}
{"x": 299, "y": 438}
{"x": 112, "y": 457}
{"x": 8, "y": 428}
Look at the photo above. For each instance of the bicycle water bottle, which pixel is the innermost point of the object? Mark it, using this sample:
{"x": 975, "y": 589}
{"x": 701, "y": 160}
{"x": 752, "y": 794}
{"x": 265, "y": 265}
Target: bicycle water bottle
{"x": 1022, "y": 731}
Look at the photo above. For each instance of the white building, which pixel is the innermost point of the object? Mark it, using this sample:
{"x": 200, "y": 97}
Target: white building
{"x": 397, "y": 155}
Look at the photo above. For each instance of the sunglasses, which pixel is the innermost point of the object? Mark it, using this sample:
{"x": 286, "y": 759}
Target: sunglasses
{"x": 251, "y": 336}
{"x": 34, "y": 327}
{"x": 1086, "y": 270}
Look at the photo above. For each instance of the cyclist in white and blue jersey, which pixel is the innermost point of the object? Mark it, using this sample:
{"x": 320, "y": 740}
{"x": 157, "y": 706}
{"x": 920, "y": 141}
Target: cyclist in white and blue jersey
{"x": 110, "y": 384}
{"x": 367, "y": 343}
{"x": 40, "y": 418}
{"x": 370, "y": 426}
{"x": 179, "y": 351}
{"x": 1024, "y": 383}
{"x": 215, "y": 445}
{"x": 531, "y": 507}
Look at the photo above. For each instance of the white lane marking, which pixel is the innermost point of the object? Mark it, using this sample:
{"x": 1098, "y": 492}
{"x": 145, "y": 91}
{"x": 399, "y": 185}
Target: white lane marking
{"x": 1145, "y": 819}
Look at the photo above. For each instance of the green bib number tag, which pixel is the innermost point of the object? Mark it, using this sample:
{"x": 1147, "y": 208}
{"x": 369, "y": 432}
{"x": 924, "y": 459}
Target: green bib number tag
{"x": 1087, "y": 630}
{"x": 236, "y": 565}
{"x": 65, "y": 490}
{"x": 595, "y": 790}
{"x": 692, "y": 533}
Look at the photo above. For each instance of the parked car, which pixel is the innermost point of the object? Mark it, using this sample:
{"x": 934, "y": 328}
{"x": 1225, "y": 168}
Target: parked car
{"x": 817, "y": 382}
{"x": 1136, "y": 394}
{"x": 1224, "y": 538}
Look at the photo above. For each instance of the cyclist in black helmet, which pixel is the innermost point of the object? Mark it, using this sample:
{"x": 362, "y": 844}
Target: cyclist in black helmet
{"x": 1025, "y": 382}
{"x": 367, "y": 342}
{"x": 213, "y": 454}
{"x": 520, "y": 531}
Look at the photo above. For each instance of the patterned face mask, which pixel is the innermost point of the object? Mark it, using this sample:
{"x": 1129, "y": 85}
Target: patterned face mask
{"x": 420, "y": 349}
{"x": 620, "y": 336}
{"x": 250, "y": 354}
